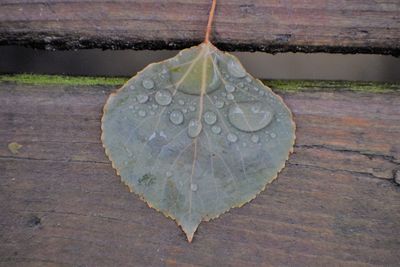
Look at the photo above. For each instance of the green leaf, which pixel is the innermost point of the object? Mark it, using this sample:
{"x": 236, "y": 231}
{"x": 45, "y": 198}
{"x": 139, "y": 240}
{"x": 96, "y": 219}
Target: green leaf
{"x": 196, "y": 135}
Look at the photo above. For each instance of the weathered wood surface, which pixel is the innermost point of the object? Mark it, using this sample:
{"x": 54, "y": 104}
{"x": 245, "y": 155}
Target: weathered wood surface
{"x": 334, "y": 204}
{"x": 344, "y": 26}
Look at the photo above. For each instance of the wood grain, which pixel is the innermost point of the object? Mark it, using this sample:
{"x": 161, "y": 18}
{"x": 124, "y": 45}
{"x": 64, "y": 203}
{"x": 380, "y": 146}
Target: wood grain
{"x": 341, "y": 26}
{"x": 335, "y": 203}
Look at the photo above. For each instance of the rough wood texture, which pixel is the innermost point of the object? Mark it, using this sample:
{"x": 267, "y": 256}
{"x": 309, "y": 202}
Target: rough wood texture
{"x": 334, "y": 204}
{"x": 343, "y": 26}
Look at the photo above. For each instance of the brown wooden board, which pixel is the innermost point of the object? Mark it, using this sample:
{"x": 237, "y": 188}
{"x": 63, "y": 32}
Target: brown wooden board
{"x": 343, "y": 26}
{"x": 335, "y": 204}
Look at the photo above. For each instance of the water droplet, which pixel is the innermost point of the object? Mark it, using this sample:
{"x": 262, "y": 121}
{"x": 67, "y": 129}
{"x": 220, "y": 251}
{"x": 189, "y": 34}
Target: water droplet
{"x": 142, "y": 98}
{"x": 256, "y": 89}
{"x": 230, "y": 88}
{"x": 192, "y": 108}
{"x": 152, "y": 113}
{"x": 231, "y": 137}
{"x": 250, "y": 116}
{"x": 210, "y": 118}
{"x": 248, "y": 79}
{"x": 148, "y": 83}
{"x": 236, "y": 69}
{"x": 142, "y": 113}
{"x": 241, "y": 85}
{"x": 163, "y": 97}
{"x": 261, "y": 93}
{"x": 181, "y": 102}
{"x": 219, "y": 104}
{"x": 168, "y": 174}
{"x": 216, "y": 129}
{"x": 132, "y": 87}
{"x": 184, "y": 110}
{"x": 194, "y": 128}
{"x": 230, "y": 97}
{"x": 273, "y": 135}
{"x": 176, "y": 117}
{"x": 223, "y": 94}
{"x": 255, "y": 139}
{"x": 193, "y": 187}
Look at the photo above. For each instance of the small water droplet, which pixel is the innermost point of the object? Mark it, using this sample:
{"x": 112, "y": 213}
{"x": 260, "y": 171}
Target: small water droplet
{"x": 278, "y": 120}
{"x": 230, "y": 88}
{"x": 231, "y": 137}
{"x": 163, "y": 97}
{"x": 216, "y": 129}
{"x": 181, "y": 102}
{"x": 168, "y": 174}
{"x": 194, "y": 128}
{"x": 142, "y": 98}
{"x": 273, "y": 135}
{"x": 148, "y": 84}
{"x": 255, "y": 139}
{"x": 223, "y": 94}
{"x": 256, "y": 89}
{"x": 261, "y": 93}
{"x": 176, "y": 117}
{"x": 184, "y": 110}
{"x": 236, "y": 69}
{"x": 250, "y": 116}
{"x": 248, "y": 79}
{"x": 219, "y": 104}
{"x": 152, "y": 113}
{"x": 192, "y": 108}
{"x": 193, "y": 187}
{"x": 132, "y": 87}
{"x": 230, "y": 97}
{"x": 210, "y": 118}
{"x": 241, "y": 85}
{"x": 142, "y": 113}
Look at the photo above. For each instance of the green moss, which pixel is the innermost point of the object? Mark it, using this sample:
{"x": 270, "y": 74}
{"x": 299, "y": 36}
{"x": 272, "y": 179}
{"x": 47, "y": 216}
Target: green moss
{"x": 305, "y": 85}
{"x": 61, "y": 80}
{"x": 278, "y": 85}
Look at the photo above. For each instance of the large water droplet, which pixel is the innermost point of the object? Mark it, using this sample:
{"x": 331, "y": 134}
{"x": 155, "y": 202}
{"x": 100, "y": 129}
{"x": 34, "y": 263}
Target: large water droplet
{"x": 236, "y": 69}
{"x": 193, "y": 187}
{"x": 142, "y": 98}
{"x": 216, "y": 129}
{"x": 231, "y": 137}
{"x": 210, "y": 118}
{"x": 230, "y": 88}
{"x": 176, "y": 117}
{"x": 142, "y": 113}
{"x": 163, "y": 97}
{"x": 194, "y": 128}
{"x": 250, "y": 116}
{"x": 148, "y": 83}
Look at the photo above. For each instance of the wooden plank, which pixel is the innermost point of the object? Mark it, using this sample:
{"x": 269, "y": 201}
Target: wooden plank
{"x": 334, "y": 204}
{"x": 339, "y": 26}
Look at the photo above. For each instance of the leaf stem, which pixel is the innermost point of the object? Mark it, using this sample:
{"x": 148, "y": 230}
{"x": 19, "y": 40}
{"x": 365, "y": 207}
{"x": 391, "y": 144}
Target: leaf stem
{"x": 210, "y": 19}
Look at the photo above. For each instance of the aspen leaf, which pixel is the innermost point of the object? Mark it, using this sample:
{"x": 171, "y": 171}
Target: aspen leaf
{"x": 196, "y": 135}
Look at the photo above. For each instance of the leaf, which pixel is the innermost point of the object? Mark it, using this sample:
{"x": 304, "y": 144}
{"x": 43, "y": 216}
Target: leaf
{"x": 195, "y": 135}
